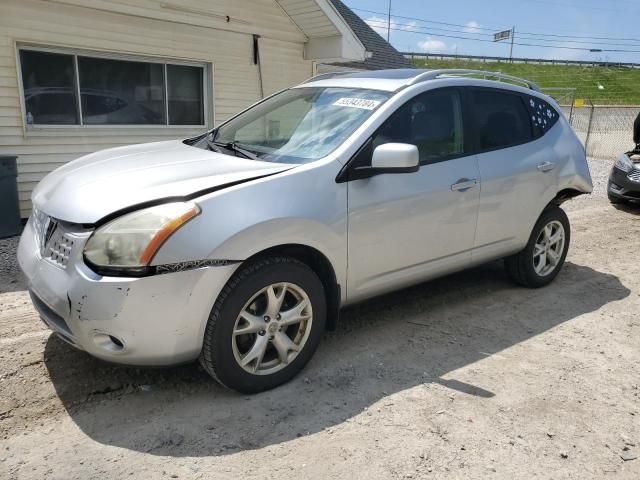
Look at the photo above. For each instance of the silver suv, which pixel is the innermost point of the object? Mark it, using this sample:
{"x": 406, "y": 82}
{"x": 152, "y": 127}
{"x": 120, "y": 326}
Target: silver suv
{"x": 240, "y": 246}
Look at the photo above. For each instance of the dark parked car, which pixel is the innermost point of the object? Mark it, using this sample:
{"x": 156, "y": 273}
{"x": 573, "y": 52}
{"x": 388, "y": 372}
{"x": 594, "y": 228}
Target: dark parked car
{"x": 624, "y": 180}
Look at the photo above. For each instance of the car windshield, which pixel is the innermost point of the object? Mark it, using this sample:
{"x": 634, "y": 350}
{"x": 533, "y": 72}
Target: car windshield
{"x": 299, "y": 125}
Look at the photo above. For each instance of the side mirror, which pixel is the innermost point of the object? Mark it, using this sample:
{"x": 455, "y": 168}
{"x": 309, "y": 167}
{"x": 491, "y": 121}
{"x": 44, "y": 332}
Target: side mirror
{"x": 395, "y": 158}
{"x": 387, "y": 158}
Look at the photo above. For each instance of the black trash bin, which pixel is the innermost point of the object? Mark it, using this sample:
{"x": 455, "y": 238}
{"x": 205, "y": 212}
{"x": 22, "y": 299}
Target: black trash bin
{"x": 10, "y": 224}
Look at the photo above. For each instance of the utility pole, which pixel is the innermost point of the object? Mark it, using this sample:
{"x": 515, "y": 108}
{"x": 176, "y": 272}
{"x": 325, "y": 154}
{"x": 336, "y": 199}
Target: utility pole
{"x": 389, "y": 22}
{"x": 513, "y": 34}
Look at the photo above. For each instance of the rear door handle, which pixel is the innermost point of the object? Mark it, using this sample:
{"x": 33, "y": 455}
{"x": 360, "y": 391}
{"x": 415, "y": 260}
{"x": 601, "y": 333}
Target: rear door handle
{"x": 546, "y": 166}
{"x": 464, "y": 184}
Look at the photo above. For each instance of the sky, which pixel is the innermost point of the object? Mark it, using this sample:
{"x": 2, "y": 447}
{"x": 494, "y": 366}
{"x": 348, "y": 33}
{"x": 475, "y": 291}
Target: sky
{"x": 565, "y": 27}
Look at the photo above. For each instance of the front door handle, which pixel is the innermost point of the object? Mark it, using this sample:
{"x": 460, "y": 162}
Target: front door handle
{"x": 546, "y": 166}
{"x": 464, "y": 184}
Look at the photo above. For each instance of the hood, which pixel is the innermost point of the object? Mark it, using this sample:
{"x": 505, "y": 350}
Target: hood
{"x": 92, "y": 187}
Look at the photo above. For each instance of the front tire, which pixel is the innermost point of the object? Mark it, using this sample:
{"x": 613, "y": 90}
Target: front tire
{"x": 542, "y": 259}
{"x": 265, "y": 325}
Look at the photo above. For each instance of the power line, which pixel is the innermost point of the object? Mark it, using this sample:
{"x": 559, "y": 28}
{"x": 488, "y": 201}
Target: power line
{"x": 503, "y": 27}
{"x": 440, "y": 29}
{"x": 578, "y": 36}
{"x": 565, "y": 47}
{"x": 573, "y": 5}
{"x": 468, "y": 32}
{"x": 424, "y": 20}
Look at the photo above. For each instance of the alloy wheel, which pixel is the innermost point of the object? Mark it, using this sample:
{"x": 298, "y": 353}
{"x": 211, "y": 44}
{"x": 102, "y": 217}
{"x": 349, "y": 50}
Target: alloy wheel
{"x": 272, "y": 328}
{"x": 548, "y": 249}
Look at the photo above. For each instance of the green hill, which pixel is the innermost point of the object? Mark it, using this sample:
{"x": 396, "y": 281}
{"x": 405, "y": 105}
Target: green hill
{"x": 600, "y": 85}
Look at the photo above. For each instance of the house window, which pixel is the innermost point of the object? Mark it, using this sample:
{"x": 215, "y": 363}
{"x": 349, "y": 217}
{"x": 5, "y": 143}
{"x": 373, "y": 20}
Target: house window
{"x": 69, "y": 89}
{"x": 49, "y": 88}
{"x": 184, "y": 95}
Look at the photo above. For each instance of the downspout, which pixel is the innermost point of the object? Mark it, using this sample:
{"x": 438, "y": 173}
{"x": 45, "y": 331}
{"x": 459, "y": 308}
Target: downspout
{"x": 256, "y": 61}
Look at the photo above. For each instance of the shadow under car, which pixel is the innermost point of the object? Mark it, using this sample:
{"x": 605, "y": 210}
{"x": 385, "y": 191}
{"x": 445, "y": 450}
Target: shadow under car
{"x": 386, "y": 345}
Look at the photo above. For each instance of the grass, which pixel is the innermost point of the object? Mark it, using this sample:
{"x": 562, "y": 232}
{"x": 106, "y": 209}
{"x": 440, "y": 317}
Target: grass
{"x": 620, "y": 86}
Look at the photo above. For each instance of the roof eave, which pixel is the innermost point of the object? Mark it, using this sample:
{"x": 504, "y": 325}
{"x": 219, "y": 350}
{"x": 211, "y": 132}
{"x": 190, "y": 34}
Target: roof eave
{"x": 343, "y": 46}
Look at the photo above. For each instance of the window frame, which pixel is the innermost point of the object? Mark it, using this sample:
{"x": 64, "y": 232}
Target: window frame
{"x": 474, "y": 127}
{"x": 207, "y": 74}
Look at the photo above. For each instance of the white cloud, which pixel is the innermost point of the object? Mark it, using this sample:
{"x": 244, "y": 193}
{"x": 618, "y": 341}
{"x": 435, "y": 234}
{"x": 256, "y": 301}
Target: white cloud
{"x": 379, "y": 24}
{"x": 430, "y": 45}
{"x": 472, "y": 27}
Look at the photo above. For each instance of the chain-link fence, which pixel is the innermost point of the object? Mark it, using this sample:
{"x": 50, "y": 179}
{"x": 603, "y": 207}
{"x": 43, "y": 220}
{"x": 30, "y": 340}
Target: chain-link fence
{"x": 605, "y": 130}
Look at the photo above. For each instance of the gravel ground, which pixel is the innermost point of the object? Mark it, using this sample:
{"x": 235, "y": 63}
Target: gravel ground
{"x": 462, "y": 377}
{"x": 11, "y": 278}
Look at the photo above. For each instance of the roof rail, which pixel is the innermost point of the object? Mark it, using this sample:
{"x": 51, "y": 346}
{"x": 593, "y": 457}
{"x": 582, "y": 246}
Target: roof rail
{"x": 461, "y": 72}
{"x": 325, "y": 76}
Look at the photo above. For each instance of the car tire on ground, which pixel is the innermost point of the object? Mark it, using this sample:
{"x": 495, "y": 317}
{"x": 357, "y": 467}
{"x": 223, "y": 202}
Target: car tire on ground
{"x": 542, "y": 259}
{"x": 265, "y": 325}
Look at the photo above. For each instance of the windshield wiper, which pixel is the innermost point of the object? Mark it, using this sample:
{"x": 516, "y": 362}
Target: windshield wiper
{"x": 234, "y": 147}
{"x": 212, "y": 145}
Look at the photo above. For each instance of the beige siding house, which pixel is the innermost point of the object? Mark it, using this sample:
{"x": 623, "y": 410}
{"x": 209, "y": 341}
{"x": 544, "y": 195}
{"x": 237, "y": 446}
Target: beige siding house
{"x": 77, "y": 76}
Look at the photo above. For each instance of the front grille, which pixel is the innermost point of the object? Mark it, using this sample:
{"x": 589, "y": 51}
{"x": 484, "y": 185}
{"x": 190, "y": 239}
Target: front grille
{"x": 634, "y": 175}
{"x": 55, "y": 243}
{"x": 58, "y": 248}
{"x": 40, "y": 224}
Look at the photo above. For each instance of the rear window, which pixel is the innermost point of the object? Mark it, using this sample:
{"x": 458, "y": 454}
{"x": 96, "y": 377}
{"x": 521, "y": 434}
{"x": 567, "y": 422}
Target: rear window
{"x": 502, "y": 120}
{"x": 543, "y": 116}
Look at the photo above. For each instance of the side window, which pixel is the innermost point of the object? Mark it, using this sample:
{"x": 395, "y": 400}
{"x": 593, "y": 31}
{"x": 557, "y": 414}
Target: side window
{"x": 543, "y": 116}
{"x": 431, "y": 121}
{"x": 502, "y": 119}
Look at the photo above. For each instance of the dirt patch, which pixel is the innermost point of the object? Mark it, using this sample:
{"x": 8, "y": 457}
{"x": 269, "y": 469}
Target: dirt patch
{"x": 462, "y": 377}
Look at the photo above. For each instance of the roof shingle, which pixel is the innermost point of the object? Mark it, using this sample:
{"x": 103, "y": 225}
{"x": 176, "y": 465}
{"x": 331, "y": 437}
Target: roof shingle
{"x": 383, "y": 55}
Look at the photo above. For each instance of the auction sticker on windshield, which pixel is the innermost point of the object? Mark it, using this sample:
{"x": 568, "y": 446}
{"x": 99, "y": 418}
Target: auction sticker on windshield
{"x": 357, "y": 103}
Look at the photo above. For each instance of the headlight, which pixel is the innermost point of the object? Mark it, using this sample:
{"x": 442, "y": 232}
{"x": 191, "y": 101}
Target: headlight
{"x": 128, "y": 243}
{"x": 623, "y": 163}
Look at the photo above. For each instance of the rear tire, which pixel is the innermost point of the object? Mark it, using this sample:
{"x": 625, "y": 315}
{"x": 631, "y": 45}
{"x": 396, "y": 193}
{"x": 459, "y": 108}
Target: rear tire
{"x": 265, "y": 325}
{"x": 542, "y": 259}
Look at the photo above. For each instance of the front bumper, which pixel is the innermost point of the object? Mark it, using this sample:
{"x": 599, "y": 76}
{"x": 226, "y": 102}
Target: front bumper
{"x": 155, "y": 320}
{"x": 624, "y": 185}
